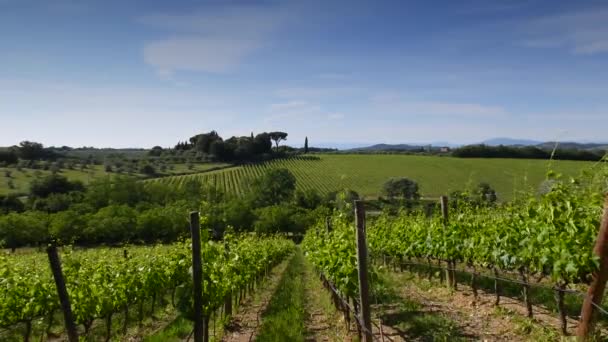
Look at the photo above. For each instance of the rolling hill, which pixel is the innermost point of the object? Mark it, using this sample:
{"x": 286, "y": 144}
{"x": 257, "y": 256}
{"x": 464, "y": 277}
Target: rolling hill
{"x": 366, "y": 173}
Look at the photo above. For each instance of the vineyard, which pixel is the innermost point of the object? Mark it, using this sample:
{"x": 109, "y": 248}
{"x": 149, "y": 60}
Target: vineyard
{"x": 104, "y": 283}
{"x": 544, "y": 242}
{"x": 366, "y": 173}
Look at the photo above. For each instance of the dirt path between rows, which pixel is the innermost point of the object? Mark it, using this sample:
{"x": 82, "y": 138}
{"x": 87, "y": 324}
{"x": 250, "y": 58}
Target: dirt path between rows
{"x": 323, "y": 322}
{"x": 428, "y": 311}
{"x": 246, "y": 322}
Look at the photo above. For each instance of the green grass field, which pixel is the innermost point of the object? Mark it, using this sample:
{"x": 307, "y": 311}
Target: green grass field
{"x": 366, "y": 173}
{"x": 21, "y": 179}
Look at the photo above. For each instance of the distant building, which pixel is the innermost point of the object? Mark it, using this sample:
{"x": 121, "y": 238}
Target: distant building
{"x": 444, "y": 149}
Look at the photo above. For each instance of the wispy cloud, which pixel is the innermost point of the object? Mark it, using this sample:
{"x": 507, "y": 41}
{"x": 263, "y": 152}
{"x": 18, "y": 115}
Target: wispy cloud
{"x": 391, "y": 103}
{"x": 214, "y": 41}
{"x": 333, "y": 76}
{"x": 493, "y": 7}
{"x": 335, "y": 116}
{"x": 302, "y": 111}
{"x": 582, "y": 32}
{"x": 316, "y": 92}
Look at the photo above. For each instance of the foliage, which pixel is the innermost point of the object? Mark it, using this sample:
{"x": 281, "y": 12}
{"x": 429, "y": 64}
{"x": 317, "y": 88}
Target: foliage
{"x": 527, "y": 152}
{"x": 10, "y": 203}
{"x": 8, "y": 157}
{"x": 30, "y": 150}
{"x": 402, "y": 187}
{"x": 243, "y": 148}
{"x": 277, "y": 137}
{"x": 114, "y": 223}
{"x": 147, "y": 169}
{"x": 18, "y": 229}
{"x": 548, "y": 236}
{"x": 101, "y": 282}
{"x": 274, "y": 187}
{"x": 334, "y": 253}
{"x": 54, "y": 184}
{"x": 309, "y": 198}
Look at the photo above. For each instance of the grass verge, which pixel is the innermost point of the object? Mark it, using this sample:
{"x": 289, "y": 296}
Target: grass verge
{"x": 283, "y": 319}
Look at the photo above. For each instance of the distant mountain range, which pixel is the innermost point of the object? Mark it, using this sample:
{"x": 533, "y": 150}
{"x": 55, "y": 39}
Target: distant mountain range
{"x": 490, "y": 142}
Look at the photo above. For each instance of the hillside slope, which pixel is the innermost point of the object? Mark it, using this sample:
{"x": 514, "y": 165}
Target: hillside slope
{"x": 366, "y": 173}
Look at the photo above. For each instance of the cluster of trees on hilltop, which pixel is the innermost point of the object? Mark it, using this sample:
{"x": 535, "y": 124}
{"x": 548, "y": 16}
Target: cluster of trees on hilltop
{"x": 526, "y": 152}
{"x": 27, "y": 150}
{"x": 243, "y": 148}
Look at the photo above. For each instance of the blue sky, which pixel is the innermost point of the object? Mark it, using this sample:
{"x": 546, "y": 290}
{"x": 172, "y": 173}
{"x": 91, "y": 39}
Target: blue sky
{"x": 142, "y": 73}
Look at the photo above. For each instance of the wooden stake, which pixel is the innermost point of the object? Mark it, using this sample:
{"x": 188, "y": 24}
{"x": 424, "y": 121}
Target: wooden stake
{"x": 62, "y": 292}
{"x": 228, "y": 299}
{"x": 197, "y": 277}
{"x": 363, "y": 274}
{"x": 598, "y": 283}
{"x": 449, "y": 273}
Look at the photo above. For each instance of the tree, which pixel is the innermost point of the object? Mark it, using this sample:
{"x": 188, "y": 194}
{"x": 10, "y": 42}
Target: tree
{"x": 273, "y": 219}
{"x": 67, "y": 226}
{"x": 202, "y": 142}
{"x": 57, "y": 202}
{"x": 147, "y": 169}
{"x": 156, "y": 151}
{"x": 278, "y": 137}
{"x": 401, "y": 188}
{"x": 161, "y": 224}
{"x": 54, "y": 184}
{"x": 274, "y": 187}
{"x": 262, "y": 143}
{"x": 17, "y": 230}
{"x": 10, "y": 203}
{"x": 308, "y": 199}
{"x": 30, "y": 150}
{"x": 8, "y": 157}
{"x": 114, "y": 223}
{"x": 221, "y": 150}
{"x": 238, "y": 214}
{"x": 306, "y": 145}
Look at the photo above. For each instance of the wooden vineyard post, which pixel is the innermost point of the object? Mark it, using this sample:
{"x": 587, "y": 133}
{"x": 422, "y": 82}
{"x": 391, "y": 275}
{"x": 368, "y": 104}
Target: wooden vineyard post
{"x": 363, "y": 274}
{"x": 328, "y": 224}
{"x": 598, "y": 283}
{"x": 62, "y": 292}
{"x": 197, "y": 277}
{"x": 228, "y": 299}
{"x": 449, "y": 273}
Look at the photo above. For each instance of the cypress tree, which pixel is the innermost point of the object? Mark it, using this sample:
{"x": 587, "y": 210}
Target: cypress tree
{"x": 306, "y": 145}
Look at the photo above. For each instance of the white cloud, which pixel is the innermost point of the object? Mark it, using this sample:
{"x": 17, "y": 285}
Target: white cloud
{"x": 316, "y": 92}
{"x": 300, "y": 111}
{"x": 288, "y": 105}
{"x": 213, "y": 41}
{"x": 583, "y": 32}
{"x": 197, "y": 54}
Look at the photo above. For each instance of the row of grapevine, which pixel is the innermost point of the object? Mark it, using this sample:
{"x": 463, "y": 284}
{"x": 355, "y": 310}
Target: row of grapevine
{"x": 546, "y": 237}
{"x": 102, "y": 282}
{"x": 311, "y": 174}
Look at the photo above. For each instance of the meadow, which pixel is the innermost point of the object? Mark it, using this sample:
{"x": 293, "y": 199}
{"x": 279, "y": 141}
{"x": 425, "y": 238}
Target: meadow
{"x": 365, "y": 173}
